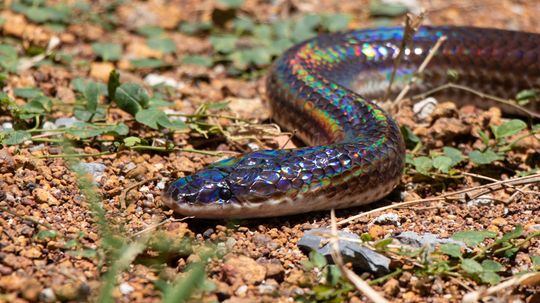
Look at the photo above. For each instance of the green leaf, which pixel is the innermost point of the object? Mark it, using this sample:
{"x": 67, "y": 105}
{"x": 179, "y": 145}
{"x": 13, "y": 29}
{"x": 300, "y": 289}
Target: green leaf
{"x": 305, "y": 27}
{"x": 509, "y": 128}
{"x": 231, "y": 3}
{"x": 317, "y": 259}
{"x": 480, "y": 158}
{"x": 85, "y": 130}
{"x": 46, "y": 234}
{"x": 147, "y": 63}
{"x": 107, "y": 51}
{"x": 423, "y": 165}
{"x": 490, "y": 277}
{"x": 442, "y": 163}
{"x": 490, "y": 265}
{"x": 150, "y": 117}
{"x": 484, "y": 136}
{"x": 112, "y": 84}
{"x": 243, "y": 24}
{"x": 37, "y": 106}
{"x": 535, "y": 260}
{"x": 254, "y": 56}
{"x": 9, "y": 60}
{"x": 197, "y": 60}
{"x": 515, "y": 233}
{"x": 131, "y": 141}
{"x": 382, "y": 245}
{"x": 470, "y": 266}
{"x": 175, "y": 124}
{"x": 165, "y": 45}
{"x": 410, "y": 138}
{"x": 451, "y": 249}
{"x": 473, "y": 237}
{"x": 28, "y": 92}
{"x": 454, "y": 154}
{"x": 336, "y": 22}
{"x": 131, "y": 97}
{"x": 13, "y": 137}
{"x": 509, "y": 253}
{"x": 223, "y": 44}
{"x": 91, "y": 95}
{"x": 334, "y": 274}
{"x": 525, "y": 96}
{"x": 383, "y": 9}
{"x": 150, "y": 30}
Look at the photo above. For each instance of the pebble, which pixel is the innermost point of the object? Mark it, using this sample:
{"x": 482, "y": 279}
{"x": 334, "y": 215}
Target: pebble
{"x": 424, "y": 240}
{"x": 360, "y": 256}
{"x": 43, "y": 196}
{"x": 66, "y": 122}
{"x": 390, "y": 218}
{"x": 391, "y": 287}
{"x": 499, "y": 221}
{"x": 241, "y": 291}
{"x": 47, "y": 295}
{"x": 267, "y": 288}
{"x": 483, "y": 200}
{"x": 424, "y": 108}
{"x": 31, "y": 290}
{"x": 95, "y": 169}
{"x": 376, "y": 231}
{"x": 125, "y": 288}
{"x": 245, "y": 269}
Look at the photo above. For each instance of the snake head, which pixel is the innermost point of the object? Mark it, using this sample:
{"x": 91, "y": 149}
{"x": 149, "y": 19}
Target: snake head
{"x": 231, "y": 188}
{"x": 199, "y": 193}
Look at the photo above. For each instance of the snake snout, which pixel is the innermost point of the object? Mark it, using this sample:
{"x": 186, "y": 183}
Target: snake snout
{"x": 195, "y": 194}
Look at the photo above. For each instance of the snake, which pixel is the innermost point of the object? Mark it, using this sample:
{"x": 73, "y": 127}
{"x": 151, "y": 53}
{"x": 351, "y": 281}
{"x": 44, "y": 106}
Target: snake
{"x": 327, "y": 90}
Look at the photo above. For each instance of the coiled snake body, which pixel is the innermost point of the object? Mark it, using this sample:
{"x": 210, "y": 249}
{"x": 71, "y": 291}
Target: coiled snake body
{"x": 323, "y": 89}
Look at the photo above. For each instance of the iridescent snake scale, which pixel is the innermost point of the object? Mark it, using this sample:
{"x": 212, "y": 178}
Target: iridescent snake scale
{"x": 323, "y": 89}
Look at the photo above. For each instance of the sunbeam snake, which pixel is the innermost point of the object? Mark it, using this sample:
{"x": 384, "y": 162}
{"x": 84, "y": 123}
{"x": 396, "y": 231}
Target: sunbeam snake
{"x": 324, "y": 90}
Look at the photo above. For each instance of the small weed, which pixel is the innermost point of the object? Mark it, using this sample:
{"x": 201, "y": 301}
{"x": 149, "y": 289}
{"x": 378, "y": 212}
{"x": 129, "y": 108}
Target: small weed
{"x": 330, "y": 286}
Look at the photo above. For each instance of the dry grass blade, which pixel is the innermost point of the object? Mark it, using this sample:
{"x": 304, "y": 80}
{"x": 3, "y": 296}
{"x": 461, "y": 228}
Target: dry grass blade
{"x": 412, "y": 24}
{"x": 480, "y": 94}
{"x": 358, "y": 282}
{"x": 477, "y": 295}
{"x": 483, "y": 189}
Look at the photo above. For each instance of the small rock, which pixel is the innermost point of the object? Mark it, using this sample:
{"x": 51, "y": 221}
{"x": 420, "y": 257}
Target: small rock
{"x": 376, "y": 231}
{"x": 425, "y": 240}
{"x": 66, "y": 292}
{"x": 390, "y": 218}
{"x": 66, "y": 122}
{"x": 245, "y": 269}
{"x": 43, "y": 196}
{"x": 155, "y": 79}
{"x": 424, "y": 108}
{"x": 268, "y": 288}
{"x": 445, "y": 109}
{"x": 499, "y": 221}
{"x": 32, "y": 253}
{"x": 391, "y": 287}
{"x": 361, "y": 257}
{"x": 274, "y": 268}
{"x": 31, "y": 290}
{"x": 95, "y": 169}
{"x": 125, "y": 288}
{"x": 241, "y": 291}
{"x": 483, "y": 200}
{"x": 47, "y": 295}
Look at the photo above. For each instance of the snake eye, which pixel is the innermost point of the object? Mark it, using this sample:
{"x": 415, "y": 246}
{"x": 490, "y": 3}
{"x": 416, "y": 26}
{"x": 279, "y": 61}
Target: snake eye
{"x": 225, "y": 193}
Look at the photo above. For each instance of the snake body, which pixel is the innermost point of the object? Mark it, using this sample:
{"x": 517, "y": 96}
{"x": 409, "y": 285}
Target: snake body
{"x": 324, "y": 90}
